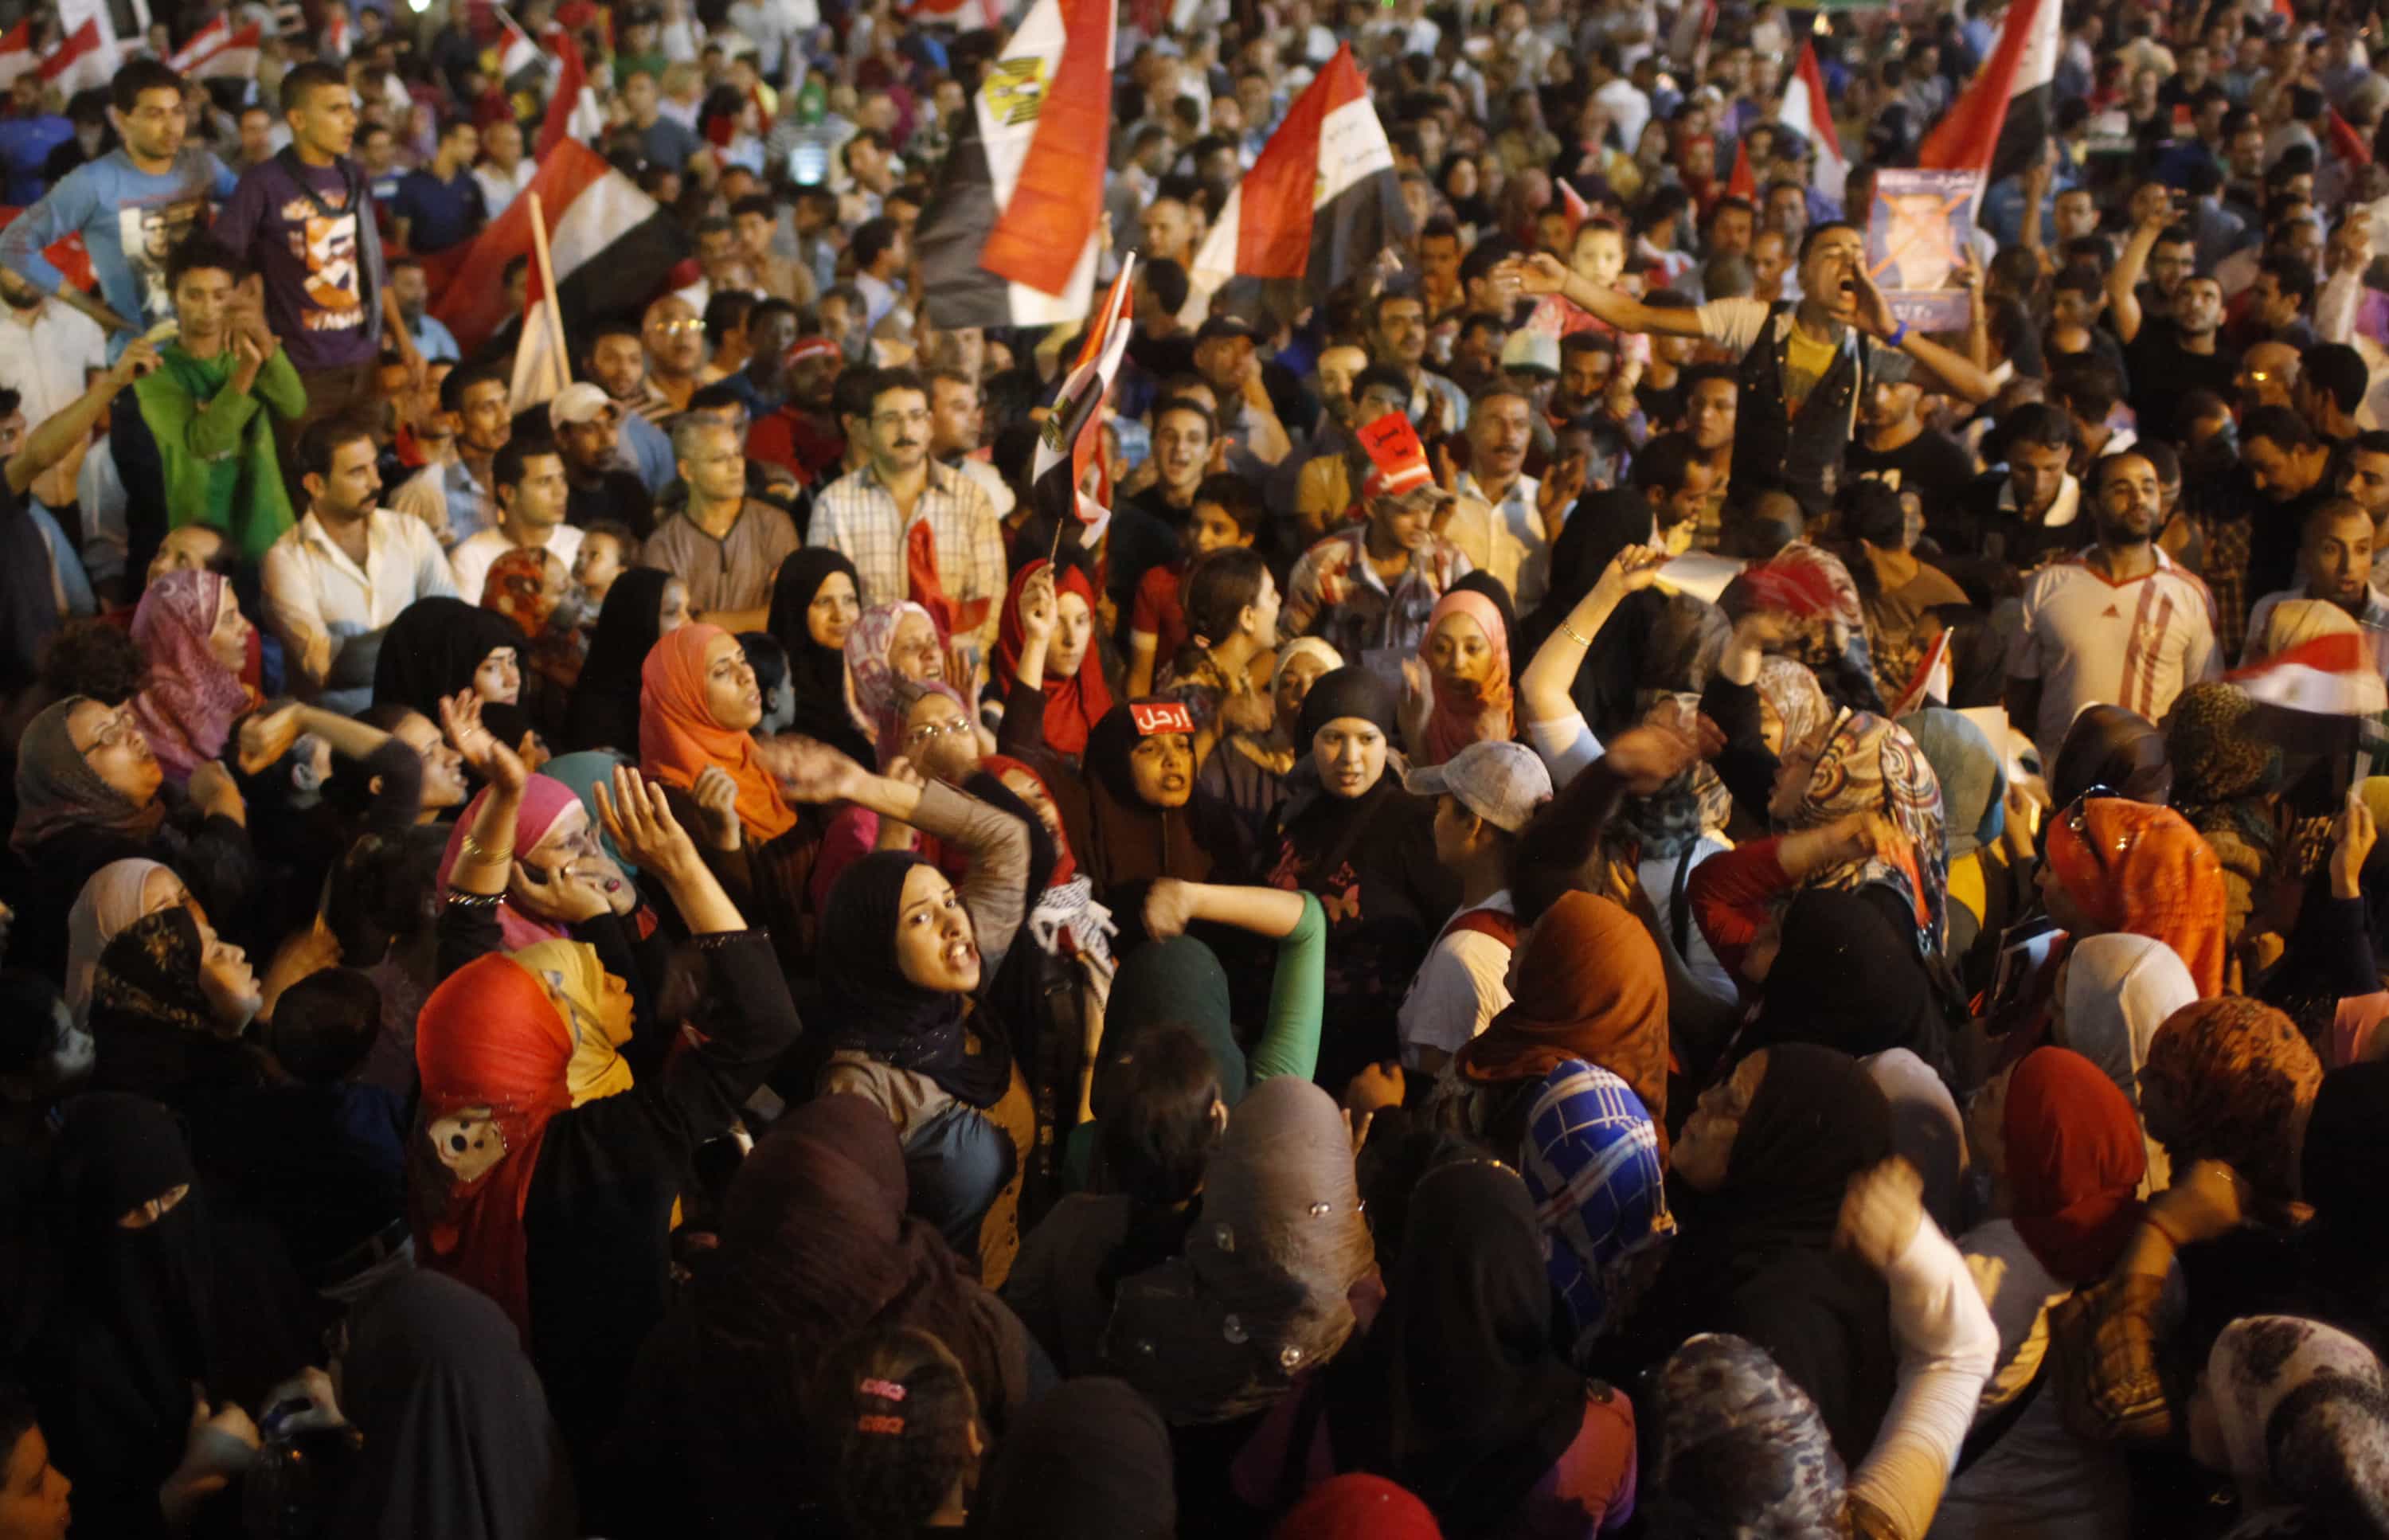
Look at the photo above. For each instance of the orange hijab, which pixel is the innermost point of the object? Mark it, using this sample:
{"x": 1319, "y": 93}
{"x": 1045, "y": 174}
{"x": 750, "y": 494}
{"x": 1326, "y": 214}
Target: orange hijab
{"x": 678, "y": 736}
{"x": 2137, "y": 868}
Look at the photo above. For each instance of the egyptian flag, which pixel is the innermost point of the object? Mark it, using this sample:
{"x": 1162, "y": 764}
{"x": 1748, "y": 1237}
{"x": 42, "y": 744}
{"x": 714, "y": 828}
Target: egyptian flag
{"x": 16, "y": 51}
{"x": 520, "y": 64}
{"x": 573, "y": 112}
{"x": 1743, "y": 182}
{"x": 1010, "y": 235}
{"x": 541, "y": 370}
{"x": 1321, "y": 203}
{"x": 2329, "y": 676}
{"x": 1930, "y": 684}
{"x": 84, "y": 62}
{"x": 217, "y": 49}
{"x": 1072, "y": 435}
{"x": 2001, "y": 124}
{"x": 966, "y": 14}
{"x": 611, "y": 246}
{"x": 1807, "y": 111}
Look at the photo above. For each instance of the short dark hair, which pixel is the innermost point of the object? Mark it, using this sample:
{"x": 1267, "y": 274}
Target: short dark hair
{"x": 1664, "y": 463}
{"x": 2116, "y": 457}
{"x": 2040, "y": 423}
{"x": 1156, "y": 1132}
{"x": 2290, "y": 277}
{"x": 2090, "y": 388}
{"x": 312, "y": 75}
{"x": 762, "y": 204}
{"x": 1166, "y": 280}
{"x": 506, "y": 467}
{"x": 1731, "y": 200}
{"x": 2338, "y": 371}
{"x": 726, "y": 313}
{"x": 852, "y": 392}
{"x": 453, "y": 389}
{"x": 1588, "y": 342}
{"x": 2370, "y": 441}
{"x": 1815, "y": 231}
{"x": 2280, "y": 426}
{"x": 326, "y": 438}
{"x": 870, "y": 239}
{"x": 1237, "y": 497}
{"x": 326, "y": 1024}
{"x": 139, "y": 75}
{"x": 763, "y": 310}
{"x": 199, "y": 253}
{"x": 1187, "y": 404}
{"x": 885, "y": 380}
{"x": 93, "y": 658}
{"x": 604, "y": 329}
{"x": 1383, "y": 376}
{"x": 1873, "y": 512}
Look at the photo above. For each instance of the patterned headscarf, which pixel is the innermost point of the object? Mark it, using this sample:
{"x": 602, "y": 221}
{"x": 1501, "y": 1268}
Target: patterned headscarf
{"x": 2131, "y": 867}
{"x": 2231, "y": 1080}
{"x": 2219, "y": 769}
{"x": 517, "y": 588}
{"x": 151, "y": 971}
{"x": 189, "y": 708}
{"x": 1593, "y": 1166}
{"x": 1671, "y": 821}
{"x": 1870, "y": 763}
{"x": 1743, "y": 1451}
{"x": 866, "y": 659}
{"x": 2303, "y": 1411}
{"x": 1790, "y": 690}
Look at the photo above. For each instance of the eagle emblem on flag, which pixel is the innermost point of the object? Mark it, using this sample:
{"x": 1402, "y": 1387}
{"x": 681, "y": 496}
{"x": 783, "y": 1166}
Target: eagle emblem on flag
{"x": 1015, "y": 89}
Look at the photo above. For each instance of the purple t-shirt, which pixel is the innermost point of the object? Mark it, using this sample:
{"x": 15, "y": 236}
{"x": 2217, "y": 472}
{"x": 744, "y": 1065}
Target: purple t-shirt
{"x": 312, "y": 256}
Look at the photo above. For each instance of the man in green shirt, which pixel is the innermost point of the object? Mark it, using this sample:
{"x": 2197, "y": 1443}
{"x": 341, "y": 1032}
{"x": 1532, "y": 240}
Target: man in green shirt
{"x": 211, "y": 402}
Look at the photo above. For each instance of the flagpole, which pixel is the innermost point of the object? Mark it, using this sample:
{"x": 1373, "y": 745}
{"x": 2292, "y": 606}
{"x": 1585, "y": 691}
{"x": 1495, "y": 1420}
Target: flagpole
{"x": 547, "y": 286}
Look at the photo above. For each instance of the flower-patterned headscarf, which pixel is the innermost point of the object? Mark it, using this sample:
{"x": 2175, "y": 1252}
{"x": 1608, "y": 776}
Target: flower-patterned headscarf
{"x": 517, "y": 588}
{"x": 1870, "y": 763}
{"x": 2231, "y": 1080}
{"x": 866, "y": 659}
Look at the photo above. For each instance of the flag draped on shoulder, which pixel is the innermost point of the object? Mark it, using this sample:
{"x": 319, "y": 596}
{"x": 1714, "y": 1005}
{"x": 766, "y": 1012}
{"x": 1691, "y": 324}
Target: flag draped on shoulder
{"x": 220, "y": 49}
{"x": 1070, "y": 440}
{"x": 1807, "y": 111}
{"x": 2001, "y": 124}
{"x": 1321, "y": 201}
{"x": 611, "y": 244}
{"x": 1009, "y": 234}
{"x": 573, "y": 112}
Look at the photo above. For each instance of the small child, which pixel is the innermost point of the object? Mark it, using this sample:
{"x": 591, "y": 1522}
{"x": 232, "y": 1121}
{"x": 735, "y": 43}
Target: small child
{"x": 1226, "y": 513}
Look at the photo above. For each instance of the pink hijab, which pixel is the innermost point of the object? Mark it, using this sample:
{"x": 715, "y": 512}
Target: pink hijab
{"x": 189, "y": 708}
{"x": 1463, "y": 716}
{"x": 544, "y": 800}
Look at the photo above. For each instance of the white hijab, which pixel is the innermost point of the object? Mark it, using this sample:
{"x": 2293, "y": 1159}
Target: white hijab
{"x": 112, "y": 900}
{"x": 2119, "y": 989}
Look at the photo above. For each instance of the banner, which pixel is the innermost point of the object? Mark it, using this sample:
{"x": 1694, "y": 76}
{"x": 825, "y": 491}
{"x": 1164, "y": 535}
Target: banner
{"x": 1915, "y": 231}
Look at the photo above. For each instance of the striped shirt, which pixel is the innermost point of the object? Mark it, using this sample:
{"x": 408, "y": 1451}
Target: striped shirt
{"x": 857, "y": 516}
{"x": 2091, "y": 641}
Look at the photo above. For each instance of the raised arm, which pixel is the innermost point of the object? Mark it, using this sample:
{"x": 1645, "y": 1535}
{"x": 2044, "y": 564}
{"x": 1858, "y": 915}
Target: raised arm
{"x": 2124, "y": 280}
{"x": 1290, "y": 1041}
{"x": 1544, "y": 273}
{"x": 1543, "y": 683}
{"x": 1957, "y": 371}
{"x": 55, "y": 435}
{"x": 639, "y": 820}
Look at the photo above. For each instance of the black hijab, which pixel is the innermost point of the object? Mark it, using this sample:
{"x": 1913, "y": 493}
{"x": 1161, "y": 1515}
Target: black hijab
{"x": 1464, "y": 1401}
{"x": 1848, "y": 976}
{"x": 1134, "y": 841}
{"x": 431, "y": 651}
{"x": 459, "y": 1442}
{"x": 28, "y": 609}
{"x": 1091, "y": 1461}
{"x": 2112, "y": 747}
{"x": 604, "y": 712}
{"x": 1320, "y": 828}
{"x": 875, "y": 1009}
{"x": 1603, "y": 525}
{"x": 816, "y": 674}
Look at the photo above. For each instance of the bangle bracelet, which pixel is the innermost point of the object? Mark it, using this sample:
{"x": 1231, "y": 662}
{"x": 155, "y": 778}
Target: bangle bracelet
{"x": 1899, "y": 334}
{"x": 475, "y": 850}
{"x": 2156, "y": 1223}
{"x": 1573, "y": 635}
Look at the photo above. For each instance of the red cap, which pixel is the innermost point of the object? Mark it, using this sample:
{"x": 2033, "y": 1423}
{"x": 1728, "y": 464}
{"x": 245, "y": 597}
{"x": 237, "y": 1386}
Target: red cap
{"x": 1400, "y": 458}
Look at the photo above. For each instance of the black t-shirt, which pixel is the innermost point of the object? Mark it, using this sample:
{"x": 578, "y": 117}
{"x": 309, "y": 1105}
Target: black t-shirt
{"x": 618, "y": 496}
{"x": 2164, "y": 372}
{"x": 1662, "y": 409}
{"x": 1929, "y": 471}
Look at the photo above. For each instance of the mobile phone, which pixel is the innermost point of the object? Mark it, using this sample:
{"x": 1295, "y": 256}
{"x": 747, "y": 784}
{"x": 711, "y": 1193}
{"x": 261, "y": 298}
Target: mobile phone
{"x": 539, "y": 874}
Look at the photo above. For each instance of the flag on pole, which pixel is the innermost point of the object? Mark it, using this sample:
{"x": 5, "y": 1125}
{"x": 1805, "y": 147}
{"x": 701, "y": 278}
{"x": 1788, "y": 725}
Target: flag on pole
{"x": 2331, "y": 676}
{"x": 1011, "y": 232}
{"x": 218, "y": 49}
{"x": 611, "y": 246}
{"x": 1930, "y": 684}
{"x": 540, "y": 369}
{"x": 520, "y": 64}
{"x": 1321, "y": 202}
{"x": 573, "y": 112}
{"x": 84, "y": 62}
{"x": 2001, "y": 124}
{"x": 16, "y": 51}
{"x": 1807, "y": 109}
{"x": 1072, "y": 438}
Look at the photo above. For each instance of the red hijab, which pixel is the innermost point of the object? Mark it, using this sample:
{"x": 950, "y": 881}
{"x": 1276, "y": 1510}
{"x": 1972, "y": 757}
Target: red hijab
{"x": 2142, "y": 869}
{"x": 488, "y": 1036}
{"x": 2075, "y": 1160}
{"x": 1072, "y": 705}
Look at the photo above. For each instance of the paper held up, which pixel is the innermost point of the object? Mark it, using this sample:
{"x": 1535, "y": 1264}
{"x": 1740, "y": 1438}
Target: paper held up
{"x": 1700, "y": 573}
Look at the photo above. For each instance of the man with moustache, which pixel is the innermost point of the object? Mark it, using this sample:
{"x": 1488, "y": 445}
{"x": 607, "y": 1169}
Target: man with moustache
{"x": 2120, "y": 624}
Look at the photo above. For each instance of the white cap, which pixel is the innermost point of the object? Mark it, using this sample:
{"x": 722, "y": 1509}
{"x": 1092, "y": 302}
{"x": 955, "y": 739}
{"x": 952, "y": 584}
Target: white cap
{"x": 1502, "y": 784}
{"x": 578, "y": 402}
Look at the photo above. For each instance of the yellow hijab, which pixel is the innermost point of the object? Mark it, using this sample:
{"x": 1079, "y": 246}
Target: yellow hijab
{"x": 575, "y": 982}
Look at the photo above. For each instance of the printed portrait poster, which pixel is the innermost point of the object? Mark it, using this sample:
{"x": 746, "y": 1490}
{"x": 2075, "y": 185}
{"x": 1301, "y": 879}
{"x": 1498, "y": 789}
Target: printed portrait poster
{"x": 1916, "y": 231}
{"x": 149, "y": 234}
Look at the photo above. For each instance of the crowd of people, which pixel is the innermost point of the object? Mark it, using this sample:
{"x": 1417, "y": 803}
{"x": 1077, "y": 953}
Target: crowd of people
{"x": 1622, "y": 896}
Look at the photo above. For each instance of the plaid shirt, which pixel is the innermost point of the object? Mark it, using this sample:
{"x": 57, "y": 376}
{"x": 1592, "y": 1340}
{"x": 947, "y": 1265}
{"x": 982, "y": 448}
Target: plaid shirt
{"x": 1337, "y": 595}
{"x": 856, "y": 517}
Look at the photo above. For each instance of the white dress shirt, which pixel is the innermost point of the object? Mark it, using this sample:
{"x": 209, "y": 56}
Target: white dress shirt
{"x": 316, "y": 593}
{"x": 471, "y": 559}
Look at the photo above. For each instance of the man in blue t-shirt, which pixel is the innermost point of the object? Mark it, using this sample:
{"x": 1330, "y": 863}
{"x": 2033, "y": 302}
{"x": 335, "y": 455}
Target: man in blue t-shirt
{"x": 440, "y": 205}
{"x": 303, "y": 222}
{"x": 131, "y": 206}
{"x": 27, "y": 136}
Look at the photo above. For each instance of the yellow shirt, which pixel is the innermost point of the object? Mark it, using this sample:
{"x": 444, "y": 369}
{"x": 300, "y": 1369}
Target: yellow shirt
{"x": 1805, "y": 362}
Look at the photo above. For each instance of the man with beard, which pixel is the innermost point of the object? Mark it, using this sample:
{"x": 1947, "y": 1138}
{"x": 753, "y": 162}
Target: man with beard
{"x": 586, "y": 423}
{"x": 1588, "y": 392}
{"x": 2120, "y": 624}
{"x": 2287, "y": 466}
{"x": 617, "y": 360}
{"x": 2335, "y": 562}
{"x": 802, "y": 434}
{"x": 1925, "y": 466}
{"x": 2168, "y": 357}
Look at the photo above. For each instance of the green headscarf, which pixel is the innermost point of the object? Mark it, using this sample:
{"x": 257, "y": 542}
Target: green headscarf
{"x": 1179, "y": 980}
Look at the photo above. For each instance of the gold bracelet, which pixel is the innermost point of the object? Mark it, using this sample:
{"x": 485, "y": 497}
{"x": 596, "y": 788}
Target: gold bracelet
{"x": 474, "y": 849}
{"x": 1574, "y": 636}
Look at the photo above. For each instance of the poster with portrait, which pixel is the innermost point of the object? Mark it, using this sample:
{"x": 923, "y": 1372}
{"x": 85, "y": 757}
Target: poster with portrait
{"x": 1918, "y": 228}
{"x": 150, "y": 232}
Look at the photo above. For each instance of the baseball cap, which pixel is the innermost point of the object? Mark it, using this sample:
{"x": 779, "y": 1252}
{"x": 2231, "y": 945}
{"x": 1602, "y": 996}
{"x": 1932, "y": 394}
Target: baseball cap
{"x": 1502, "y": 784}
{"x": 1532, "y": 351}
{"x": 1218, "y": 326}
{"x": 578, "y": 402}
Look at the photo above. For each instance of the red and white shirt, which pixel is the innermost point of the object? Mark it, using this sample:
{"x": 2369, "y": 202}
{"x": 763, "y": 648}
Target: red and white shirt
{"x": 2091, "y": 641}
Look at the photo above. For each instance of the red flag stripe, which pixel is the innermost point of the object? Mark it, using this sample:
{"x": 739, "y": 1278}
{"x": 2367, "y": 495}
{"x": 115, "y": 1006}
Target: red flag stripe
{"x": 1058, "y": 199}
{"x": 1274, "y": 232}
{"x": 1968, "y": 134}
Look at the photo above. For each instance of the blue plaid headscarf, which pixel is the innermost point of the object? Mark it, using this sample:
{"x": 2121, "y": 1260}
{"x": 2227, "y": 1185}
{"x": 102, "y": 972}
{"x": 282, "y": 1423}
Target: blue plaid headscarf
{"x": 1591, "y": 1164}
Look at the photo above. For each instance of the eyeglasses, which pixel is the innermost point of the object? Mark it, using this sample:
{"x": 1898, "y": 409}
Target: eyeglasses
{"x": 678, "y": 328}
{"x": 929, "y": 732}
{"x": 119, "y": 730}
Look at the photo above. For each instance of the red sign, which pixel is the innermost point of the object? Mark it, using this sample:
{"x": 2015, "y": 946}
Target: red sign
{"x": 1152, "y": 717}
